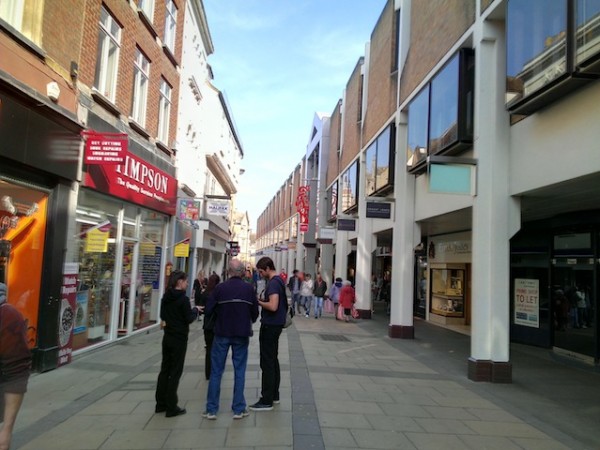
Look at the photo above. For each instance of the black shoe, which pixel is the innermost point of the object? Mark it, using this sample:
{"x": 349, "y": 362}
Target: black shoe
{"x": 258, "y": 406}
{"x": 160, "y": 409}
{"x": 178, "y": 412}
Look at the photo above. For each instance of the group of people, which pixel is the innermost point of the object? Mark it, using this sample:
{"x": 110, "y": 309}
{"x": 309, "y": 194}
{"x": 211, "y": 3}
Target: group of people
{"x": 572, "y": 307}
{"x": 230, "y": 308}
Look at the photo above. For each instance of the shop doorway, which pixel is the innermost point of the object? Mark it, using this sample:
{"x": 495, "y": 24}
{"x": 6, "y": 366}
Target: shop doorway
{"x": 127, "y": 307}
{"x": 575, "y": 305}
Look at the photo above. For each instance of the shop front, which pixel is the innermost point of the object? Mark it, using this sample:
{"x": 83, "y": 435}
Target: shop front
{"x": 119, "y": 248}
{"x": 39, "y": 154}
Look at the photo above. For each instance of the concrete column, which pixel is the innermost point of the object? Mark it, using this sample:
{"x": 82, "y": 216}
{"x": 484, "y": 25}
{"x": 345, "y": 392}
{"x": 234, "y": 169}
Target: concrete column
{"x": 309, "y": 262}
{"x": 342, "y": 248}
{"x": 291, "y": 261}
{"x": 327, "y": 264}
{"x": 364, "y": 251}
{"x": 495, "y": 214}
{"x": 406, "y": 236}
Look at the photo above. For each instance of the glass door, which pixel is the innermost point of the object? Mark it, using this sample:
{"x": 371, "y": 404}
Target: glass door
{"x": 128, "y": 287}
{"x": 575, "y": 305}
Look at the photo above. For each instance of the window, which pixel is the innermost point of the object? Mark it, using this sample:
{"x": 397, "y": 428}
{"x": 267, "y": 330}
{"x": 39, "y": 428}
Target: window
{"x": 107, "y": 62}
{"x": 25, "y": 16}
{"x": 379, "y": 171}
{"x": 440, "y": 118}
{"x": 546, "y": 57}
{"x": 170, "y": 26}
{"x": 147, "y": 7}
{"x": 141, "y": 75}
{"x": 350, "y": 188}
{"x": 164, "y": 111}
{"x": 332, "y": 194}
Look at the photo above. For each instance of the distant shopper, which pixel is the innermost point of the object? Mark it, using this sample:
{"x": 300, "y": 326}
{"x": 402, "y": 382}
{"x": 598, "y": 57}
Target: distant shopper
{"x": 15, "y": 366}
{"x": 319, "y": 291}
{"x": 274, "y": 308}
{"x": 306, "y": 293}
{"x": 177, "y": 314}
{"x": 294, "y": 287}
{"x": 283, "y": 275}
{"x": 347, "y": 299}
{"x": 209, "y": 322}
{"x": 198, "y": 287}
{"x": 334, "y": 295}
{"x": 236, "y": 308}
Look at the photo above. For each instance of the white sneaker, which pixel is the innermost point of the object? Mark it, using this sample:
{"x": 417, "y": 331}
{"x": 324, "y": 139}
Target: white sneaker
{"x": 242, "y": 414}
{"x": 209, "y": 416}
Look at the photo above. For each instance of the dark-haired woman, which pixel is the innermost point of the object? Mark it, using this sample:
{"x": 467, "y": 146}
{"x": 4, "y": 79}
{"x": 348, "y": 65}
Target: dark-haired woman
{"x": 176, "y": 314}
{"x": 209, "y": 322}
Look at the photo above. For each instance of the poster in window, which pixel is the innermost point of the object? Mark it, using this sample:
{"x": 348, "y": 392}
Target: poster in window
{"x": 527, "y": 302}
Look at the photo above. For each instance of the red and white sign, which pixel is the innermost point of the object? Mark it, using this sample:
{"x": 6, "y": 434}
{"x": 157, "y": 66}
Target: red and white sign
{"x": 104, "y": 148}
{"x": 302, "y": 206}
{"x": 136, "y": 181}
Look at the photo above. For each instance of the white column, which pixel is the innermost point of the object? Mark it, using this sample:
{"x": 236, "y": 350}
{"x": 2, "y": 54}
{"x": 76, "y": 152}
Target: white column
{"x": 342, "y": 248}
{"x": 495, "y": 214}
{"x": 364, "y": 249}
{"x": 406, "y": 236}
{"x": 327, "y": 264}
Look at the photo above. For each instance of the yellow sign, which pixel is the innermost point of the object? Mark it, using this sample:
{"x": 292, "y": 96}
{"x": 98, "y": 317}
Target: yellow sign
{"x": 96, "y": 241}
{"x": 147, "y": 248}
{"x": 182, "y": 250}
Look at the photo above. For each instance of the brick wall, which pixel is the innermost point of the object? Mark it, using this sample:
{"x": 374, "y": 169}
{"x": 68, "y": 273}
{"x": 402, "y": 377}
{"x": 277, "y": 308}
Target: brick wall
{"x": 351, "y": 129}
{"x": 436, "y": 25}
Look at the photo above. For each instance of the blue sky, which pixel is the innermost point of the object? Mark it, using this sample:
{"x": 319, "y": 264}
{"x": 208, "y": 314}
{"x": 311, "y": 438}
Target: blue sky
{"x": 278, "y": 62}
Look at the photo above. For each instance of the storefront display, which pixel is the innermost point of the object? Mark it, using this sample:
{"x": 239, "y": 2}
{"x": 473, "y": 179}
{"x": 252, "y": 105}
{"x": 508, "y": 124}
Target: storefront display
{"x": 447, "y": 294}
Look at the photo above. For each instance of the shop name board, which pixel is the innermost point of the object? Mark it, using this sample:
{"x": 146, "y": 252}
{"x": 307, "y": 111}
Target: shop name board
{"x": 105, "y": 148}
{"x": 217, "y": 208}
{"x": 346, "y": 224}
{"x": 379, "y": 210}
{"x": 136, "y": 181}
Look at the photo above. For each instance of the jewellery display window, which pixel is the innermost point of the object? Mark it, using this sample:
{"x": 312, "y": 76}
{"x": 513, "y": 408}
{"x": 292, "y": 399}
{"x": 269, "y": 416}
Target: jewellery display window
{"x": 447, "y": 292}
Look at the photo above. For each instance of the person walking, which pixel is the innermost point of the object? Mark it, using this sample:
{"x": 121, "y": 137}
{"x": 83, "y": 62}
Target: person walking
{"x": 15, "y": 366}
{"x": 334, "y": 295}
{"x": 319, "y": 292}
{"x": 294, "y": 287}
{"x": 177, "y": 314}
{"x": 274, "y": 308}
{"x": 236, "y": 308}
{"x": 306, "y": 293}
{"x": 347, "y": 299}
{"x": 209, "y": 322}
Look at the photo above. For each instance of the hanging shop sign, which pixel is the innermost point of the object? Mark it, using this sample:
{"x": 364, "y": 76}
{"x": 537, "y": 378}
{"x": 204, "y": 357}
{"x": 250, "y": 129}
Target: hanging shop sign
{"x": 346, "y": 225}
{"x": 189, "y": 209}
{"x": 136, "y": 181}
{"x": 302, "y": 206}
{"x": 378, "y": 210}
{"x": 104, "y": 148}
{"x": 217, "y": 207}
{"x": 527, "y": 302}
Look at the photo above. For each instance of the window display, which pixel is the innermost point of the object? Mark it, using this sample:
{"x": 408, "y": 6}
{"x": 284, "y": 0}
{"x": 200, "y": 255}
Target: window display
{"x": 447, "y": 292}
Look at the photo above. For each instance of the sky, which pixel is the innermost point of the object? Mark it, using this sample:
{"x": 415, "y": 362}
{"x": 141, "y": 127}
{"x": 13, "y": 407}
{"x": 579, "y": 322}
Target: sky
{"x": 279, "y": 62}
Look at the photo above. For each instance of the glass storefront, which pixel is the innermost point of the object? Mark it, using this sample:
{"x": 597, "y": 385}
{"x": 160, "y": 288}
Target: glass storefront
{"x": 118, "y": 248}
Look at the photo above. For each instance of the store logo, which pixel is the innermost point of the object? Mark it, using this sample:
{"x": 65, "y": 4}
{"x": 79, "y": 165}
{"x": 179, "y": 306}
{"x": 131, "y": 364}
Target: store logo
{"x": 140, "y": 172}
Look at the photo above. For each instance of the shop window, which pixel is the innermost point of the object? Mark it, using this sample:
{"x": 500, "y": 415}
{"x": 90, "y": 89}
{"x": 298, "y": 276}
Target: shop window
{"x": 107, "y": 58}
{"x": 440, "y": 119}
{"x": 141, "y": 77}
{"x": 350, "y": 188}
{"x": 332, "y": 195}
{"x": 379, "y": 163}
{"x": 25, "y": 17}
{"x": 447, "y": 292}
{"x": 546, "y": 56}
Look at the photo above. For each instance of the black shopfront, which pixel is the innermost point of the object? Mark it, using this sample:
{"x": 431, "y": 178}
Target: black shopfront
{"x": 555, "y": 285}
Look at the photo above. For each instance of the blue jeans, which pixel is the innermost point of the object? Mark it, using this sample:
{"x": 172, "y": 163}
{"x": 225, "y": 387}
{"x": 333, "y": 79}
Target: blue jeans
{"x": 318, "y": 306}
{"x": 239, "y": 356}
{"x": 296, "y": 302}
{"x": 306, "y": 301}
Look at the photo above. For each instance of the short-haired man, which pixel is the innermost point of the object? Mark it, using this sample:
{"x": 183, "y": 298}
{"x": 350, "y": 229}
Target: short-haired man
{"x": 294, "y": 287}
{"x": 274, "y": 308}
{"x": 234, "y": 302}
{"x": 15, "y": 362}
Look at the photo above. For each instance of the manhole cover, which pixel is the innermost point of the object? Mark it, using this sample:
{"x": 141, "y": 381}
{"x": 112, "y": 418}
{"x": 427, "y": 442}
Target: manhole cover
{"x": 334, "y": 337}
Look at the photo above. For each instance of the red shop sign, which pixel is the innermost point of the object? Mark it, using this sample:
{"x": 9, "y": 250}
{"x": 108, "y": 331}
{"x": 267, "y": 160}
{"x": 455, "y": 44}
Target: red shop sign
{"x": 302, "y": 207}
{"x": 104, "y": 148}
{"x": 136, "y": 181}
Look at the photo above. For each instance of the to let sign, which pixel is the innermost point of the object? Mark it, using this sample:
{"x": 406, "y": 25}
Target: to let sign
{"x": 105, "y": 148}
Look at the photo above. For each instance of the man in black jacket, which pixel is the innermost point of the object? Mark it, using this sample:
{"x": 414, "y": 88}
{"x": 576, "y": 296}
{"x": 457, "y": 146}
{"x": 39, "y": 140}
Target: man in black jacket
{"x": 177, "y": 314}
{"x": 236, "y": 308}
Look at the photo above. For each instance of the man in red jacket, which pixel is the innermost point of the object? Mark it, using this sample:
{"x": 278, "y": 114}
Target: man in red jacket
{"x": 15, "y": 365}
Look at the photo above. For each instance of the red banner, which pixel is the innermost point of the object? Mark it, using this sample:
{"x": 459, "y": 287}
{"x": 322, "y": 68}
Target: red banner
{"x": 105, "y": 148}
{"x": 136, "y": 181}
{"x": 302, "y": 206}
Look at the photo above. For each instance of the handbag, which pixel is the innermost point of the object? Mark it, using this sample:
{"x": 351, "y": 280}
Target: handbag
{"x": 288, "y": 317}
{"x": 328, "y": 306}
{"x": 355, "y": 313}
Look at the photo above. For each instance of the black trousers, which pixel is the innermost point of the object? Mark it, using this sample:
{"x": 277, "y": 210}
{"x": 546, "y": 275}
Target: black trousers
{"x": 269, "y": 362}
{"x": 171, "y": 368}
{"x": 209, "y": 336}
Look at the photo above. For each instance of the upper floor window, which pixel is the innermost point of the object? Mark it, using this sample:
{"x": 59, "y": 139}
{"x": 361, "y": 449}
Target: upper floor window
{"x": 350, "y": 188}
{"x": 440, "y": 118}
{"x": 332, "y": 195}
{"x": 107, "y": 61}
{"x": 25, "y": 16}
{"x": 379, "y": 162}
{"x": 170, "y": 25}
{"x": 141, "y": 76}
{"x": 147, "y": 7}
{"x": 546, "y": 56}
{"x": 164, "y": 111}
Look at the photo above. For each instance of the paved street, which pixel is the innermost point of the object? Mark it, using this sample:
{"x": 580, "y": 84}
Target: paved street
{"x": 344, "y": 386}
